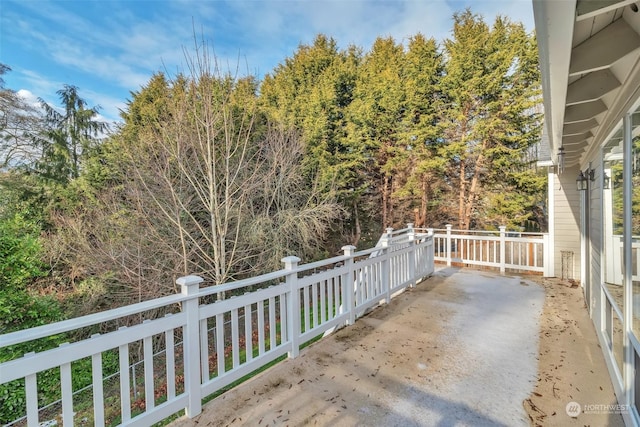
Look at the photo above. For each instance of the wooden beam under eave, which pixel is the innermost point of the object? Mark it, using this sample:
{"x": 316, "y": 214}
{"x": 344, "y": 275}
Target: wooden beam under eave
{"x": 574, "y": 139}
{"x": 579, "y": 127}
{"x": 573, "y": 155}
{"x": 584, "y": 111}
{"x": 586, "y": 9}
{"x": 604, "y": 48}
{"x": 592, "y": 86}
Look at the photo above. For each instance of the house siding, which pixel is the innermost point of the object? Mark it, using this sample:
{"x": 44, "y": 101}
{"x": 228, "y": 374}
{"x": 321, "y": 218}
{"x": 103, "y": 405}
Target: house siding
{"x": 595, "y": 237}
{"x": 567, "y": 224}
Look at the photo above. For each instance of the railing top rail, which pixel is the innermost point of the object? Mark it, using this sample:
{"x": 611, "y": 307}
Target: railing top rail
{"x": 399, "y": 231}
{"x": 509, "y": 233}
{"x": 466, "y": 232}
{"x": 88, "y": 320}
{"x": 243, "y": 283}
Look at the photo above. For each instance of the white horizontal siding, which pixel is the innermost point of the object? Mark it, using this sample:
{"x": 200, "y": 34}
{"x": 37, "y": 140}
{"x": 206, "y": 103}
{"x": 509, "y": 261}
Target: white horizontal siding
{"x": 567, "y": 221}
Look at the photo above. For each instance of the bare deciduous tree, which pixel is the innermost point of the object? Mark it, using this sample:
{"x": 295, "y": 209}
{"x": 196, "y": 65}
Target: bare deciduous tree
{"x": 204, "y": 186}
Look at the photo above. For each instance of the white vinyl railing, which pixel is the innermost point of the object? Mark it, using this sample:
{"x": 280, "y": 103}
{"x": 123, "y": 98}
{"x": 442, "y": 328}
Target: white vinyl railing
{"x": 501, "y": 249}
{"x": 614, "y": 251}
{"x": 222, "y": 341}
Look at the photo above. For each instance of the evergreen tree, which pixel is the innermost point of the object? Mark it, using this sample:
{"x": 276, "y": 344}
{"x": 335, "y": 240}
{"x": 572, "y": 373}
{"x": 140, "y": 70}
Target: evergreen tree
{"x": 491, "y": 89}
{"x": 69, "y": 137}
{"x": 417, "y": 165}
{"x": 311, "y": 92}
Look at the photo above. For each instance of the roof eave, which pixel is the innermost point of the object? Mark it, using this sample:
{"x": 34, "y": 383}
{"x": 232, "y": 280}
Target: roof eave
{"x": 554, "y": 23}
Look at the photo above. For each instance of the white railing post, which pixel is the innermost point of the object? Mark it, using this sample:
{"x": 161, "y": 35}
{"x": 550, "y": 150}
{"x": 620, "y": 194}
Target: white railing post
{"x": 449, "y": 226}
{"x": 546, "y": 259}
{"x": 386, "y": 265}
{"x": 349, "y": 284}
{"x": 431, "y": 253}
{"x": 503, "y": 249}
{"x": 411, "y": 233}
{"x": 293, "y": 306}
{"x": 190, "y": 285}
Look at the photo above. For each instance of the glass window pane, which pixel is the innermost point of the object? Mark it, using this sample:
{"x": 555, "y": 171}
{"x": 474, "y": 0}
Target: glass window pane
{"x": 635, "y": 212}
{"x": 613, "y": 216}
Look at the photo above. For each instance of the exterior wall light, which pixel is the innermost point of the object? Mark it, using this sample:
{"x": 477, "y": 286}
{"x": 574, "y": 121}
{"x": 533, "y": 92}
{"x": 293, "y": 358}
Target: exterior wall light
{"x": 592, "y": 175}
{"x": 581, "y": 182}
{"x": 560, "y": 160}
{"x": 606, "y": 181}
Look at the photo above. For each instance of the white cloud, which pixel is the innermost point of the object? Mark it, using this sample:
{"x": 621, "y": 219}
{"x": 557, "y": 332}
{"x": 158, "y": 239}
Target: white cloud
{"x": 28, "y": 97}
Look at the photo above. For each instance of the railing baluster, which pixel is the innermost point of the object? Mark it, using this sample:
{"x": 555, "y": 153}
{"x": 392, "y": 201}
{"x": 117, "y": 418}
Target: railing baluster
{"x": 248, "y": 333}
{"x": 309, "y": 308}
{"x": 170, "y": 363}
{"x": 31, "y": 394}
{"x": 125, "y": 381}
{"x": 317, "y": 296}
{"x": 204, "y": 350}
{"x": 337, "y": 295}
{"x": 284, "y": 318}
{"x": 329, "y": 299}
{"x": 67, "y": 394}
{"x": 323, "y": 301}
{"x": 359, "y": 284}
{"x": 220, "y": 344}
{"x": 147, "y": 347}
{"x": 272, "y": 323}
{"x": 261, "y": 347}
{"x": 98, "y": 388}
{"x": 235, "y": 338}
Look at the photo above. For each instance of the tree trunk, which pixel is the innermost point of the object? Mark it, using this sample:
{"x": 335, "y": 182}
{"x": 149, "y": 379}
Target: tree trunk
{"x": 420, "y": 214}
{"x": 385, "y": 202}
{"x": 358, "y": 232}
{"x": 474, "y": 189}
{"x": 423, "y": 202}
{"x": 461, "y": 197}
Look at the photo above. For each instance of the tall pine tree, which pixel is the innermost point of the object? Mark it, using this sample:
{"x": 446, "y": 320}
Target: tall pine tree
{"x": 491, "y": 89}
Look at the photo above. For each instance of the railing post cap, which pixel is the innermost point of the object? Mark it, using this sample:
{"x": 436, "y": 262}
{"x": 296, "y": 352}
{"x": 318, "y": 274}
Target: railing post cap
{"x": 189, "y": 280}
{"x": 409, "y": 225}
{"x": 290, "y": 261}
{"x": 189, "y": 284}
{"x": 448, "y": 225}
{"x": 502, "y": 227}
{"x": 389, "y": 230}
{"x": 348, "y": 249}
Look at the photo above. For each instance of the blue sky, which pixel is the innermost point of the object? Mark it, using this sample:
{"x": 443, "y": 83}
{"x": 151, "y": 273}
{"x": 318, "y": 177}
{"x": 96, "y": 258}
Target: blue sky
{"x": 108, "y": 48}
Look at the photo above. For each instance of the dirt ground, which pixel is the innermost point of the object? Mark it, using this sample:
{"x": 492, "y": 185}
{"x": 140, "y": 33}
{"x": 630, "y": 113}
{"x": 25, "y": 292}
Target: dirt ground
{"x": 571, "y": 366}
{"x": 401, "y": 365}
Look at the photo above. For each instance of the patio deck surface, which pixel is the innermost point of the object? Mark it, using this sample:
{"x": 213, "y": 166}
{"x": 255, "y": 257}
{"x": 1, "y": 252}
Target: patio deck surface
{"x": 459, "y": 349}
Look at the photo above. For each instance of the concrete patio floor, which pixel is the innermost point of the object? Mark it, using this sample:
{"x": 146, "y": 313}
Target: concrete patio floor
{"x": 459, "y": 349}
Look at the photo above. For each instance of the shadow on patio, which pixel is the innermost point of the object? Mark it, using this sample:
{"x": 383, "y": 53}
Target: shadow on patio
{"x": 461, "y": 348}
